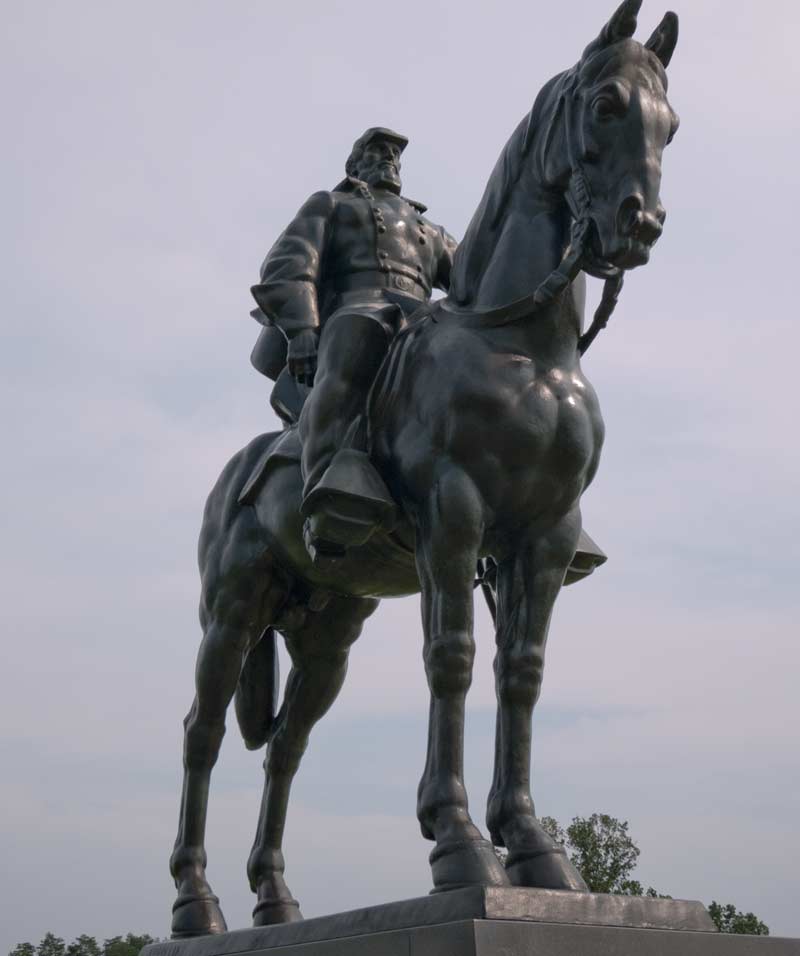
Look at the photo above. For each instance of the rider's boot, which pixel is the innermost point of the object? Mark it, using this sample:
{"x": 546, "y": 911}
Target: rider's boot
{"x": 345, "y": 499}
{"x": 346, "y": 506}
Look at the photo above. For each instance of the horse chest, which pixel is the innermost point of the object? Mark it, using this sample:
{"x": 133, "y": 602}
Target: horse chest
{"x": 545, "y": 433}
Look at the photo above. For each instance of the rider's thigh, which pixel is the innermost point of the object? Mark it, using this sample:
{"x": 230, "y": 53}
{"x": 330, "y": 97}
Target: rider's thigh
{"x": 352, "y": 346}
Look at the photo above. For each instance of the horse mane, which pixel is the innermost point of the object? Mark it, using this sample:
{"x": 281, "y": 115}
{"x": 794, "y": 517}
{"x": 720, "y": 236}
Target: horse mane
{"x": 474, "y": 251}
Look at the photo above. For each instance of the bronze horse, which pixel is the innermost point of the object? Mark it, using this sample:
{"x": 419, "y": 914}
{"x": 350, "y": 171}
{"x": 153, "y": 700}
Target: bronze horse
{"x": 487, "y": 433}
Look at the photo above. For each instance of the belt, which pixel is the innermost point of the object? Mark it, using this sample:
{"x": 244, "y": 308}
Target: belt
{"x": 377, "y": 279}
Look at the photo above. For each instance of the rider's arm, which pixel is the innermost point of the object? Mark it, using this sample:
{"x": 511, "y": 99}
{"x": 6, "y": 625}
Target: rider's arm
{"x": 447, "y": 249}
{"x": 290, "y": 274}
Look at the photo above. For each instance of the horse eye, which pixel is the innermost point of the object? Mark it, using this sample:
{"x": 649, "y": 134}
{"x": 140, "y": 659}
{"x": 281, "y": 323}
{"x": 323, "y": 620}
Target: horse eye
{"x": 674, "y": 128}
{"x": 606, "y": 106}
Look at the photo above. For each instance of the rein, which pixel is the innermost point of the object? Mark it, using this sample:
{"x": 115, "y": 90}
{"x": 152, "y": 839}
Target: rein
{"x": 578, "y": 199}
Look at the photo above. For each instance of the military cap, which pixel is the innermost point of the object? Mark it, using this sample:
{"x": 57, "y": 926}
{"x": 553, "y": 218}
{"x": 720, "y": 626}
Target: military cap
{"x": 374, "y": 132}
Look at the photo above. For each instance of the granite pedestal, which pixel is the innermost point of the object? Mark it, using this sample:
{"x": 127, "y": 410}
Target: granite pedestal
{"x": 495, "y": 922}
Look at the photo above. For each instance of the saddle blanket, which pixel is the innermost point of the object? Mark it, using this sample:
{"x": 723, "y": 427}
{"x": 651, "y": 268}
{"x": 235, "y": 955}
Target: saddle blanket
{"x": 288, "y": 447}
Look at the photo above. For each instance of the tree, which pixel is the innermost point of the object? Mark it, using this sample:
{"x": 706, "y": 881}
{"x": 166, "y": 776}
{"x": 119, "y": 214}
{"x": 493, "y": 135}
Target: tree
{"x": 602, "y": 850}
{"x": 51, "y": 946}
{"x": 130, "y": 945}
{"x": 730, "y": 920}
{"x": 84, "y": 946}
{"x": 23, "y": 949}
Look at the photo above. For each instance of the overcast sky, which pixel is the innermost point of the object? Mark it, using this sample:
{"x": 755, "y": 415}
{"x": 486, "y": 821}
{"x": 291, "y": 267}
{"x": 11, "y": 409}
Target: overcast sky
{"x": 153, "y": 152}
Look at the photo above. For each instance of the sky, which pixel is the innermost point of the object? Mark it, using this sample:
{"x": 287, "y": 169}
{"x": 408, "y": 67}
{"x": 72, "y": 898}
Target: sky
{"x": 153, "y": 153}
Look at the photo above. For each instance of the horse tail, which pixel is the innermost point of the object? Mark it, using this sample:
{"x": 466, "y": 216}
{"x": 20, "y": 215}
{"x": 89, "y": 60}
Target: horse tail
{"x": 257, "y": 692}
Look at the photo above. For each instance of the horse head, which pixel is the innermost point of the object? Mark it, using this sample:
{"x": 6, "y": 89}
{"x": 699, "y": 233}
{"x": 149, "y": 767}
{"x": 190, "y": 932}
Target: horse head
{"x": 595, "y": 136}
{"x": 617, "y": 123}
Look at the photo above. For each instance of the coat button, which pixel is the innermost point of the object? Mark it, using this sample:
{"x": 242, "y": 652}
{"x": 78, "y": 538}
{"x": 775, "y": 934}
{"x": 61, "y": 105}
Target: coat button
{"x": 383, "y": 254}
{"x": 381, "y": 228}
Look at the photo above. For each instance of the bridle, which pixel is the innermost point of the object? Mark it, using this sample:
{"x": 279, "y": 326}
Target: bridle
{"x": 579, "y": 201}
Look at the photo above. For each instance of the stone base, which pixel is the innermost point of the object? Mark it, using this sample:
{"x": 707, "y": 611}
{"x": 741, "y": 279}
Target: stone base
{"x": 495, "y": 922}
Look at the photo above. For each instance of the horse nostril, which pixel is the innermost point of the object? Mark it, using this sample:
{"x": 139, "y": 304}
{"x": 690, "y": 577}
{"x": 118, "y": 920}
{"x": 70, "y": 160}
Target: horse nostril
{"x": 630, "y": 215}
{"x": 649, "y": 229}
{"x": 635, "y": 223}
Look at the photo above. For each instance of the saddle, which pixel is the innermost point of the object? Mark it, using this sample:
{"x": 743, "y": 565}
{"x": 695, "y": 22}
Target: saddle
{"x": 288, "y": 447}
{"x": 349, "y": 503}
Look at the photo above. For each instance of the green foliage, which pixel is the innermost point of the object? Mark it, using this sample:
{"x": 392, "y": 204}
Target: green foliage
{"x": 601, "y": 848}
{"x": 555, "y": 829}
{"x": 23, "y": 949}
{"x": 84, "y": 946}
{"x": 51, "y": 945}
{"x": 129, "y": 946}
{"x": 730, "y": 920}
{"x": 603, "y": 851}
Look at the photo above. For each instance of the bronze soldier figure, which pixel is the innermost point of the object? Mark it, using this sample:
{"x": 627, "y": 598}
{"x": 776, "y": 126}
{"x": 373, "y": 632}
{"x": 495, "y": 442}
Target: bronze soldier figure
{"x": 339, "y": 283}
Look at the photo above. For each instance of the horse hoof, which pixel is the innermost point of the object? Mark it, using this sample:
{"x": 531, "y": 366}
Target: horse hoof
{"x": 271, "y": 912}
{"x": 467, "y": 863}
{"x": 546, "y": 869}
{"x": 197, "y": 916}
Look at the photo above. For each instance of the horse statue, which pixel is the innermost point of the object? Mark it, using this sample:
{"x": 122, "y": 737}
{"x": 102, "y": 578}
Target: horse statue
{"x": 487, "y": 433}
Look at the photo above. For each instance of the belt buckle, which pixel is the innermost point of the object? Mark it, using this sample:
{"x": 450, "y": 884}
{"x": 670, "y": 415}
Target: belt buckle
{"x": 402, "y": 282}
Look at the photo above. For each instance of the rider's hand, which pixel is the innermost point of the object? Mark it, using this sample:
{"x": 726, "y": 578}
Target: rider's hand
{"x": 302, "y": 356}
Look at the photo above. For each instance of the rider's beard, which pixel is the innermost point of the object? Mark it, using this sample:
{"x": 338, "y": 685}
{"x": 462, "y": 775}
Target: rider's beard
{"x": 385, "y": 176}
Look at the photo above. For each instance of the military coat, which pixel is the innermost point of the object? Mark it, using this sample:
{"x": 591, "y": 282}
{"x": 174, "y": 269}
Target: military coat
{"x": 346, "y": 240}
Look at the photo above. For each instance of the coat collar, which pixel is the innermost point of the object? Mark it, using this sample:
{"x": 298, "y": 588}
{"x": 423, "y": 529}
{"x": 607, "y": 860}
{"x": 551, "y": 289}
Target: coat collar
{"x": 352, "y": 185}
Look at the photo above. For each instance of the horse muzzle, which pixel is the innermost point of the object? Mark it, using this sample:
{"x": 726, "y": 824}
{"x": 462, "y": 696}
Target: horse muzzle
{"x": 633, "y": 233}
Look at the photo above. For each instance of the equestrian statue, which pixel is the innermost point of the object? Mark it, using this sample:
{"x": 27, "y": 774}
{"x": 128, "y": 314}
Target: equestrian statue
{"x": 428, "y": 446}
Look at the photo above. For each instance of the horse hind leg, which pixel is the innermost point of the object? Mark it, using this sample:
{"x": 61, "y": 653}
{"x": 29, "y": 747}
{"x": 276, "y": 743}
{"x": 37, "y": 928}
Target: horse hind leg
{"x": 319, "y": 650}
{"x": 237, "y": 598}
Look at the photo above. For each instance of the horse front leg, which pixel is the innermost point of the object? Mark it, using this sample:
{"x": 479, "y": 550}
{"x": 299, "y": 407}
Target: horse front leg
{"x": 319, "y": 651}
{"x": 527, "y": 585}
{"x": 449, "y": 532}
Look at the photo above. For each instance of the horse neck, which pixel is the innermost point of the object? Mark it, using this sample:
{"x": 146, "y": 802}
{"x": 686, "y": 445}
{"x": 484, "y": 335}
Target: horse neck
{"x": 528, "y": 244}
{"x": 522, "y": 247}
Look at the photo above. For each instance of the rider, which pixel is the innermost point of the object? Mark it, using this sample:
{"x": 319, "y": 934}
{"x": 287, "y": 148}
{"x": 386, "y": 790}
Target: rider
{"x": 340, "y": 282}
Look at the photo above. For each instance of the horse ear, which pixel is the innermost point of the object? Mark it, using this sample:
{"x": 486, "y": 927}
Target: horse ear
{"x": 621, "y": 26}
{"x": 664, "y": 38}
{"x": 623, "y": 22}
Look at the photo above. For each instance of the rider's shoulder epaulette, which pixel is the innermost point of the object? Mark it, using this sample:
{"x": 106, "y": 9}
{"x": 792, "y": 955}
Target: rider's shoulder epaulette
{"x": 419, "y": 206}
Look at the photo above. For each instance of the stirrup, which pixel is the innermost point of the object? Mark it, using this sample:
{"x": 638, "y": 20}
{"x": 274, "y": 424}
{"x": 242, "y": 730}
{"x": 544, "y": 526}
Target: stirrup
{"x": 350, "y": 502}
{"x": 322, "y": 552}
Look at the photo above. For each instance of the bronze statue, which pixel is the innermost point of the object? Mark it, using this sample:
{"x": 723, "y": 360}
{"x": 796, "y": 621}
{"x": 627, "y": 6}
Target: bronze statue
{"x": 484, "y": 433}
